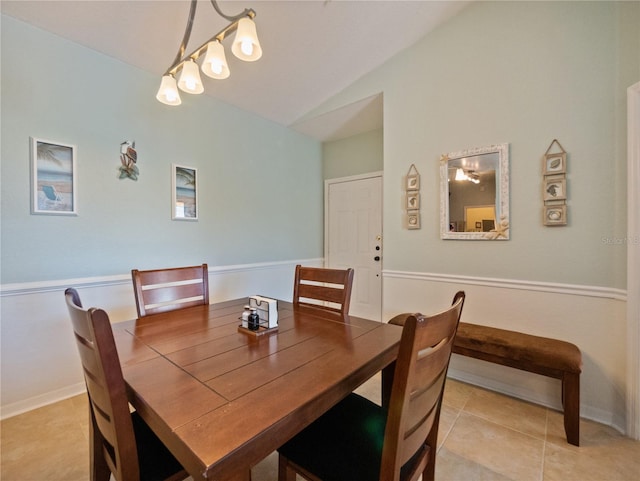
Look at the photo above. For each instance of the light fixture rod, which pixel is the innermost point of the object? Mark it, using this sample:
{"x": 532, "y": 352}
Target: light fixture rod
{"x": 185, "y": 37}
{"x": 233, "y": 18}
{"x": 229, "y": 29}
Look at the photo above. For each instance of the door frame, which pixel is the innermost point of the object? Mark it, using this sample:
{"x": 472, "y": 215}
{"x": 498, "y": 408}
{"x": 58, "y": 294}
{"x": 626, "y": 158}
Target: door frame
{"x": 633, "y": 261}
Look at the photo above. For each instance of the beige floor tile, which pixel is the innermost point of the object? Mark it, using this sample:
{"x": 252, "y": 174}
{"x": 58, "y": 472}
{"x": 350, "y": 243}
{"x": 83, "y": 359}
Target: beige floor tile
{"x": 615, "y": 462}
{"x": 555, "y": 428}
{"x": 372, "y": 389}
{"x": 496, "y": 448}
{"x": 456, "y": 393}
{"x": 448, "y": 418}
{"x": 509, "y": 412}
{"x": 604, "y": 454}
{"x": 47, "y": 443}
{"x": 592, "y": 434}
{"x": 267, "y": 469}
{"x": 453, "y": 467}
{"x": 51, "y": 443}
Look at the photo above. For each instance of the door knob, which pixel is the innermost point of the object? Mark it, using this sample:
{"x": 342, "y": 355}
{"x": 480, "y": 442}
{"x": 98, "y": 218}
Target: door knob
{"x": 376, "y": 258}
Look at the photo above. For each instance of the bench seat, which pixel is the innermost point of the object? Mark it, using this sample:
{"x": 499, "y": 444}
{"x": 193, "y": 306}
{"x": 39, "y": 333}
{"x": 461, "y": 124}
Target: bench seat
{"x": 540, "y": 355}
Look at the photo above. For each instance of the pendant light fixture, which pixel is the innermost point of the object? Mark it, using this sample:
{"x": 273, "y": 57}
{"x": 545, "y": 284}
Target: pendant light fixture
{"x": 190, "y": 78}
{"x": 215, "y": 61}
{"x": 245, "y": 46}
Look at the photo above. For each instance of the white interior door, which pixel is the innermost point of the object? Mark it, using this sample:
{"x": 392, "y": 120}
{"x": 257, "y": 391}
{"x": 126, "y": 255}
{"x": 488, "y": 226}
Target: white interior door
{"x": 353, "y": 238}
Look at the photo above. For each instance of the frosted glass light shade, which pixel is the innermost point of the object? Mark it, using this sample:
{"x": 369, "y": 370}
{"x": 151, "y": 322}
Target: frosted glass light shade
{"x": 460, "y": 175}
{"x": 215, "y": 61}
{"x": 190, "y": 78}
{"x": 246, "y": 45}
{"x": 168, "y": 92}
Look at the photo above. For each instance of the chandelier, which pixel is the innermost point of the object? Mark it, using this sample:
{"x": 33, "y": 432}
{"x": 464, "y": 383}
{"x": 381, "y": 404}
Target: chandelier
{"x": 245, "y": 46}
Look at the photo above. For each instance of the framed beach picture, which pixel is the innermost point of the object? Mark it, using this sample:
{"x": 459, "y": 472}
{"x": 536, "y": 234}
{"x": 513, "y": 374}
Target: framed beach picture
{"x": 184, "y": 193}
{"x": 53, "y": 178}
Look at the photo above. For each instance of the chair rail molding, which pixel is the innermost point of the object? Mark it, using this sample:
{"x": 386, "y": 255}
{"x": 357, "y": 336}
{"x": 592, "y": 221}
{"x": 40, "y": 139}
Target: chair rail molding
{"x": 557, "y": 288}
{"x": 20, "y": 288}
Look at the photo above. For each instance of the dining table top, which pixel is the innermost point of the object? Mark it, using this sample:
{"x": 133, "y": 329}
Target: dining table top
{"x": 222, "y": 399}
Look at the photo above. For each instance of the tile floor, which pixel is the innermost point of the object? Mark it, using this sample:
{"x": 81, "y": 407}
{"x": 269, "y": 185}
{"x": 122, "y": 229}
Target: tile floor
{"x": 483, "y": 436}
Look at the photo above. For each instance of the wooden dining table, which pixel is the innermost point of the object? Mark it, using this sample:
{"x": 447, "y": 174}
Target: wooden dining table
{"x": 222, "y": 400}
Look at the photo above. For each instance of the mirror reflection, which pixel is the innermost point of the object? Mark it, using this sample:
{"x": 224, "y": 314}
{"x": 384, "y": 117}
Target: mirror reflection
{"x": 474, "y": 191}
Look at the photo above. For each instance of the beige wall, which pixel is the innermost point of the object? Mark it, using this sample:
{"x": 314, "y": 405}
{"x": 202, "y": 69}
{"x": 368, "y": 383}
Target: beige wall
{"x": 359, "y": 154}
{"x": 523, "y": 73}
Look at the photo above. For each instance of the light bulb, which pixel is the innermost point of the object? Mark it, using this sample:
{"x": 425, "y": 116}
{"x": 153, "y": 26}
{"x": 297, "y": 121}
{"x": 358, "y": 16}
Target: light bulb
{"x": 216, "y": 66}
{"x": 247, "y": 47}
{"x": 171, "y": 95}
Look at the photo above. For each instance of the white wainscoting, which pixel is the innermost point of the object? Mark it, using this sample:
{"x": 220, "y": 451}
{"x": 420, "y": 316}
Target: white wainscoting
{"x": 593, "y": 318}
{"x": 40, "y": 363}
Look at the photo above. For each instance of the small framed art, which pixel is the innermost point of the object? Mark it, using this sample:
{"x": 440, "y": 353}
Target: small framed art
{"x": 413, "y": 182}
{"x": 53, "y": 178}
{"x": 413, "y": 200}
{"x": 413, "y": 219}
{"x": 555, "y": 214}
{"x": 555, "y": 187}
{"x": 184, "y": 193}
{"x": 555, "y": 164}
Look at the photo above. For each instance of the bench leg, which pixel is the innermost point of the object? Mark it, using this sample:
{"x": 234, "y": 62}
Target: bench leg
{"x": 571, "y": 404}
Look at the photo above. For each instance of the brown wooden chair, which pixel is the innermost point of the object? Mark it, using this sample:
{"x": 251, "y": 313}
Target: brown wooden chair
{"x": 163, "y": 290}
{"x": 121, "y": 442}
{"x": 359, "y": 440}
{"x": 311, "y": 283}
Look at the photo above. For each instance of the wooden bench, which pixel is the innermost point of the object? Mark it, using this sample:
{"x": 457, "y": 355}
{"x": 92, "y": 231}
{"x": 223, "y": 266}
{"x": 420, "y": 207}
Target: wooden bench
{"x": 540, "y": 355}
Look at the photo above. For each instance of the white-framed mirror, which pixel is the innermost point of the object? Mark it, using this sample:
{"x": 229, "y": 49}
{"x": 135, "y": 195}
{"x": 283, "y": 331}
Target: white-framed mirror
{"x": 474, "y": 194}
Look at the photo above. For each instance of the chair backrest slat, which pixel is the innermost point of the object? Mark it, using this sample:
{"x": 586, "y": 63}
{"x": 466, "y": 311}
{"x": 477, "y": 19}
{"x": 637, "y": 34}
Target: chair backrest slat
{"x": 418, "y": 386}
{"x": 323, "y": 286}
{"x": 163, "y": 290}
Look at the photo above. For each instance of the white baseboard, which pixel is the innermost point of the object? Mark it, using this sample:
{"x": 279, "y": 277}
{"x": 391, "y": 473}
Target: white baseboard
{"x": 45, "y": 399}
{"x": 534, "y": 396}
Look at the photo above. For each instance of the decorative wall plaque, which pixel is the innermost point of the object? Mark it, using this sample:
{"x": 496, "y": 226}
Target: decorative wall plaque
{"x": 412, "y": 198}
{"x": 554, "y": 186}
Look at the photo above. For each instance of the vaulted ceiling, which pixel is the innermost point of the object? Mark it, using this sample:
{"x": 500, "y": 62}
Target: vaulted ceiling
{"x": 313, "y": 49}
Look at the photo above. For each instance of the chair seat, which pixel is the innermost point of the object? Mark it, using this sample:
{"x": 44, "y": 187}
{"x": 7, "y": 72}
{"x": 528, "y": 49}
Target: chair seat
{"x": 337, "y": 436}
{"x": 155, "y": 461}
